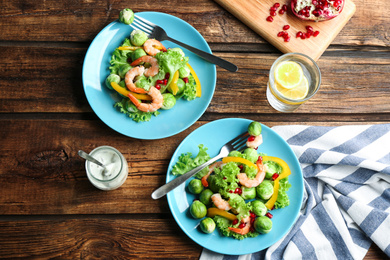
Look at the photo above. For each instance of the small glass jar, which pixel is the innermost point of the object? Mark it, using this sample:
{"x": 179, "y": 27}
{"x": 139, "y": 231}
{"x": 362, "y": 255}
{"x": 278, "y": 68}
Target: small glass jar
{"x": 115, "y": 172}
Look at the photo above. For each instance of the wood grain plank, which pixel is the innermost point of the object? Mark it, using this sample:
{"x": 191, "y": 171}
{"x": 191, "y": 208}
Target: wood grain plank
{"x": 92, "y": 238}
{"x": 80, "y": 21}
{"x": 103, "y": 238}
{"x": 42, "y": 174}
{"x": 58, "y": 79}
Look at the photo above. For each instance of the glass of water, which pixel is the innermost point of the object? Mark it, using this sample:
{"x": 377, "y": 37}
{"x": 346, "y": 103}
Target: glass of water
{"x": 285, "y": 98}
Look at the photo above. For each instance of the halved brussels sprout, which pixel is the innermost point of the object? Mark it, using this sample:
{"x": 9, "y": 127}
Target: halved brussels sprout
{"x": 258, "y": 208}
{"x": 195, "y": 186}
{"x": 248, "y": 193}
{"x": 138, "y": 37}
{"x": 184, "y": 72}
{"x": 251, "y": 154}
{"x": 207, "y": 225}
{"x": 126, "y": 16}
{"x": 263, "y": 224}
{"x": 205, "y": 196}
{"x": 254, "y": 128}
{"x": 123, "y": 70}
{"x": 265, "y": 190}
{"x": 138, "y": 53}
{"x": 112, "y": 78}
{"x": 169, "y": 102}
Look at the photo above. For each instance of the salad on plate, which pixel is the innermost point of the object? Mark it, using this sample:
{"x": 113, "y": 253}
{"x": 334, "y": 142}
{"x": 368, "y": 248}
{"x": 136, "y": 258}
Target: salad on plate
{"x": 237, "y": 195}
{"x": 148, "y": 76}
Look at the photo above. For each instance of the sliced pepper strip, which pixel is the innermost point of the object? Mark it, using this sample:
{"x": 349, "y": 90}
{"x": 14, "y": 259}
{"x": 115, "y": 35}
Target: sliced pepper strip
{"x": 128, "y": 48}
{"x": 126, "y": 93}
{"x": 173, "y": 83}
{"x": 212, "y": 212}
{"x": 239, "y": 160}
{"x": 197, "y": 81}
{"x": 285, "y": 172}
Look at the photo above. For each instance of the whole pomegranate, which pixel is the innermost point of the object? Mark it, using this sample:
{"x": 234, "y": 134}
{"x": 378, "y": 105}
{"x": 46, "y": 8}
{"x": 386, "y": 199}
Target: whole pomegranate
{"x": 317, "y": 10}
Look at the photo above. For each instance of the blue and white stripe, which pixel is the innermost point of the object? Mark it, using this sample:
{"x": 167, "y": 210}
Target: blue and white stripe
{"x": 346, "y": 205}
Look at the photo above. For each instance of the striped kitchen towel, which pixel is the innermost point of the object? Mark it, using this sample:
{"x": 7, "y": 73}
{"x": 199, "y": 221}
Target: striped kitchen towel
{"x": 346, "y": 205}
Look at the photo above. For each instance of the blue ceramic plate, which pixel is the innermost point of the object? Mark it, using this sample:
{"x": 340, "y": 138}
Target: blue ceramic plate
{"x": 214, "y": 135}
{"x": 169, "y": 122}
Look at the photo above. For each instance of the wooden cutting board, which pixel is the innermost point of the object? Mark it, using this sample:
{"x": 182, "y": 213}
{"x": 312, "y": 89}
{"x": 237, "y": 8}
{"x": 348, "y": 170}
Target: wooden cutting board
{"x": 254, "y": 13}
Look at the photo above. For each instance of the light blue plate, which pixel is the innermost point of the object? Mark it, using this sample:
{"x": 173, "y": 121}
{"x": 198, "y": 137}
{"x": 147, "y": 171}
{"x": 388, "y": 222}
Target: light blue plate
{"x": 169, "y": 122}
{"x": 214, "y": 135}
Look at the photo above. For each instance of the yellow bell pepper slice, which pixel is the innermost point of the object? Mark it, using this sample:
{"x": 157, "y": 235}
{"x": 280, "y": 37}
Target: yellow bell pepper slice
{"x": 212, "y": 212}
{"x": 173, "y": 84}
{"x": 239, "y": 160}
{"x": 128, "y": 48}
{"x": 126, "y": 93}
{"x": 197, "y": 81}
{"x": 285, "y": 172}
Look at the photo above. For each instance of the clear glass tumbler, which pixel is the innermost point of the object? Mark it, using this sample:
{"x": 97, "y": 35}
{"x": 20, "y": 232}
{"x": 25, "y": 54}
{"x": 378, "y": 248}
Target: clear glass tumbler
{"x": 310, "y": 70}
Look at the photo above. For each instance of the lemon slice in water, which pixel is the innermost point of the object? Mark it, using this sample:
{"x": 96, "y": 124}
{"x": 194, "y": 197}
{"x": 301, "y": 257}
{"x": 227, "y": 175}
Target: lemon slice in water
{"x": 296, "y": 93}
{"x": 288, "y": 74}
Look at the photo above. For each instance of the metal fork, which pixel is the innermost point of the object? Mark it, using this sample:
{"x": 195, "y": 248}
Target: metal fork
{"x": 158, "y": 33}
{"x": 236, "y": 144}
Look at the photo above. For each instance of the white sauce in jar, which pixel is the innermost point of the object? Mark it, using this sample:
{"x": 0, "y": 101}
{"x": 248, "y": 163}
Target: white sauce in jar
{"x": 115, "y": 172}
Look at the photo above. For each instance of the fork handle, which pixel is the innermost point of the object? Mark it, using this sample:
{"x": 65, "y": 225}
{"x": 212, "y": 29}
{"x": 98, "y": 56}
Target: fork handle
{"x": 163, "y": 190}
{"x": 207, "y": 56}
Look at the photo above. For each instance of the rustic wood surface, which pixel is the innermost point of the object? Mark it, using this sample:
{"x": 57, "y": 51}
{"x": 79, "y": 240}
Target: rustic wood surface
{"x": 48, "y": 208}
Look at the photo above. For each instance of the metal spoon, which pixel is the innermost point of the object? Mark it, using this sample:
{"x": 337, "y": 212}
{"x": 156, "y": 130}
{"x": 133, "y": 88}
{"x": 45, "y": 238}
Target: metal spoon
{"x": 88, "y": 157}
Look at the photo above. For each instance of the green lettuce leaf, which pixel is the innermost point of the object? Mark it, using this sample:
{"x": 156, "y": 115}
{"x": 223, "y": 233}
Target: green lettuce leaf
{"x": 283, "y": 199}
{"x": 186, "y": 162}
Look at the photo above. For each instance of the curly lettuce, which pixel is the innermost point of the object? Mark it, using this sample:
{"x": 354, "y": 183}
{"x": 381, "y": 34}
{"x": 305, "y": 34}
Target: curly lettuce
{"x": 283, "y": 199}
{"x": 186, "y": 162}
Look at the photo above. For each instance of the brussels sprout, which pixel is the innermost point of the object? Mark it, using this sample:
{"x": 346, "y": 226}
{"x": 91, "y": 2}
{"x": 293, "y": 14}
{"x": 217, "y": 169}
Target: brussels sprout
{"x": 271, "y": 167}
{"x": 138, "y": 53}
{"x": 138, "y": 37}
{"x": 169, "y": 101}
{"x": 126, "y": 16}
{"x": 212, "y": 183}
{"x": 123, "y": 70}
{"x": 251, "y": 154}
{"x": 263, "y": 224}
{"x": 205, "y": 196}
{"x": 254, "y": 128}
{"x": 180, "y": 84}
{"x": 265, "y": 190}
{"x": 142, "y": 82}
{"x": 207, "y": 225}
{"x": 195, "y": 186}
{"x": 235, "y": 154}
{"x": 248, "y": 193}
{"x": 112, "y": 78}
{"x": 180, "y": 51}
{"x": 198, "y": 209}
{"x": 130, "y": 107}
{"x": 184, "y": 72}
{"x": 258, "y": 208}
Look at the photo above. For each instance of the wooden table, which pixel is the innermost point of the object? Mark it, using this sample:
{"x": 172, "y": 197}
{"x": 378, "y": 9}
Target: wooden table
{"x": 48, "y": 207}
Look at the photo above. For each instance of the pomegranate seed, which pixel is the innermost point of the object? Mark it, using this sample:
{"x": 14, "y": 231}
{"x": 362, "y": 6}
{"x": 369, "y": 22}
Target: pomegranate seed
{"x": 280, "y": 34}
{"x": 241, "y": 167}
{"x": 253, "y": 215}
{"x": 235, "y": 222}
{"x": 276, "y": 5}
{"x": 284, "y": 7}
{"x": 287, "y": 38}
{"x": 159, "y": 81}
{"x": 167, "y": 75}
{"x": 299, "y": 34}
{"x": 314, "y": 2}
{"x": 273, "y": 8}
{"x": 224, "y": 178}
{"x": 270, "y": 19}
{"x": 230, "y": 191}
{"x": 308, "y": 35}
{"x": 303, "y": 37}
{"x": 242, "y": 225}
{"x": 269, "y": 215}
{"x": 251, "y": 138}
{"x": 260, "y": 159}
{"x": 281, "y": 11}
{"x": 158, "y": 87}
{"x": 286, "y": 27}
{"x": 315, "y": 34}
{"x": 273, "y": 13}
{"x": 309, "y": 28}
{"x": 274, "y": 176}
{"x": 185, "y": 80}
{"x": 238, "y": 191}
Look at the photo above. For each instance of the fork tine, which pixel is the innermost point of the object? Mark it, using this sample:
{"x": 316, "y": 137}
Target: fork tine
{"x": 146, "y": 24}
{"x": 238, "y": 138}
{"x": 141, "y": 27}
{"x": 136, "y": 28}
{"x": 144, "y": 20}
{"x": 239, "y": 144}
